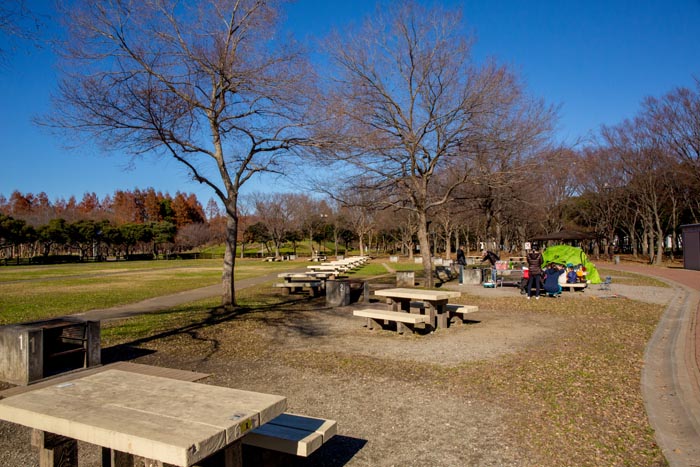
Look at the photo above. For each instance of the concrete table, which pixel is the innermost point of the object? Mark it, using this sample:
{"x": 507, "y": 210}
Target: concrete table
{"x": 170, "y": 421}
{"x": 436, "y": 301}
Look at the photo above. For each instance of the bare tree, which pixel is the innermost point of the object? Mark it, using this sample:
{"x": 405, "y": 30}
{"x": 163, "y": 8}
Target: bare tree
{"x": 644, "y": 163}
{"x": 602, "y": 187}
{"x": 409, "y": 104}
{"x": 205, "y": 83}
{"x": 273, "y": 211}
{"x": 675, "y": 120}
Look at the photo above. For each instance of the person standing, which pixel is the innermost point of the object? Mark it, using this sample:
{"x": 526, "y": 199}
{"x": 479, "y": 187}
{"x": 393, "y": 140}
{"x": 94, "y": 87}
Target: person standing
{"x": 491, "y": 257}
{"x": 534, "y": 266}
{"x": 461, "y": 261}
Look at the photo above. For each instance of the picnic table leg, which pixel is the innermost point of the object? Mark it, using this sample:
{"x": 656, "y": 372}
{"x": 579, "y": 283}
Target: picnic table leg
{"x": 230, "y": 456}
{"x": 438, "y": 313}
{"x": 113, "y": 458}
{"x": 374, "y": 323}
{"x": 430, "y": 310}
{"x": 55, "y": 450}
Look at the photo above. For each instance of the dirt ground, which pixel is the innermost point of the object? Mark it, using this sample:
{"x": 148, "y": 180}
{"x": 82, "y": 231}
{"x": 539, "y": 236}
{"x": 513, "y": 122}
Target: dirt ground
{"x": 400, "y": 417}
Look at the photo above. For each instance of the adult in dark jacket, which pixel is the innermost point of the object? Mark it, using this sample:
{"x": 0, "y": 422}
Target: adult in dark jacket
{"x": 461, "y": 261}
{"x": 491, "y": 257}
{"x": 534, "y": 266}
{"x": 551, "y": 280}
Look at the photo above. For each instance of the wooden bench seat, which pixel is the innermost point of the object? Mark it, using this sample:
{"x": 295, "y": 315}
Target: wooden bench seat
{"x": 459, "y": 311}
{"x": 292, "y": 434}
{"x": 404, "y": 321}
{"x": 573, "y": 287}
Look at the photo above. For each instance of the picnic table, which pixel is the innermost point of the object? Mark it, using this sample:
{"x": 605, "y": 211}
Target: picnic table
{"x": 435, "y": 301}
{"x": 294, "y": 282}
{"x": 509, "y": 276}
{"x": 166, "y": 420}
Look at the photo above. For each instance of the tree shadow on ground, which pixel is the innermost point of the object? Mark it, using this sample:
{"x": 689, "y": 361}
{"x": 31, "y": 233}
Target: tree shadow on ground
{"x": 293, "y": 320}
{"x": 337, "y": 452}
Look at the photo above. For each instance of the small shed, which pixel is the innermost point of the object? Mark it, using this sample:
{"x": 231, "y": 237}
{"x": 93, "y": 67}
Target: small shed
{"x": 691, "y": 246}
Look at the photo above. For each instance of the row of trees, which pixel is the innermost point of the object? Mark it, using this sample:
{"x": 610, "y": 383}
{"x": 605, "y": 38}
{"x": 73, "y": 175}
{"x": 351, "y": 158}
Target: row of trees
{"x": 398, "y": 112}
{"x": 137, "y": 206}
{"x": 90, "y": 239}
{"x": 631, "y": 189}
{"x": 143, "y": 221}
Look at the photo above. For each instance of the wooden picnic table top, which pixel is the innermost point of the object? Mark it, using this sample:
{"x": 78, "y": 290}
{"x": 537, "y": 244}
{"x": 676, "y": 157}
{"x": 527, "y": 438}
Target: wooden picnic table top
{"x": 418, "y": 294}
{"x": 168, "y": 420}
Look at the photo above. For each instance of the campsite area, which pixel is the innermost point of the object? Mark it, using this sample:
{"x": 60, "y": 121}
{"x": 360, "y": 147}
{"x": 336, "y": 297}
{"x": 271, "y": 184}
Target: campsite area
{"x": 551, "y": 382}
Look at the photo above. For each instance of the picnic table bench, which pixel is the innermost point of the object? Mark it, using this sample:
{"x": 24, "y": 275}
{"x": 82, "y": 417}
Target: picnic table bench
{"x": 509, "y": 276}
{"x": 293, "y": 434}
{"x": 377, "y": 318}
{"x": 294, "y": 283}
{"x": 571, "y": 287}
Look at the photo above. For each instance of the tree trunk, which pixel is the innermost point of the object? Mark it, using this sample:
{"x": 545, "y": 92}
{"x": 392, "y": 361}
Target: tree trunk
{"x": 228, "y": 295}
{"x": 424, "y": 243}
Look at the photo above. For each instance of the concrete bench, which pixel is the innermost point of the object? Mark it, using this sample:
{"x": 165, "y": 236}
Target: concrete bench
{"x": 573, "y": 287}
{"x": 453, "y": 309}
{"x": 297, "y": 435}
{"x": 296, "y": 286}
{"x": 404, "y": 321}
{"x": 459, "y": 311}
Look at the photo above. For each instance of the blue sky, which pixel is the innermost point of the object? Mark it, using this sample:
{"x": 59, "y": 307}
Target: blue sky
{"x": 596, "y": 59}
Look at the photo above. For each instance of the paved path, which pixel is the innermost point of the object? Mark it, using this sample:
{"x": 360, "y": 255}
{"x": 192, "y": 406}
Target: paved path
{"x": 671, "y": 372}
{"x": 169, "y": 301}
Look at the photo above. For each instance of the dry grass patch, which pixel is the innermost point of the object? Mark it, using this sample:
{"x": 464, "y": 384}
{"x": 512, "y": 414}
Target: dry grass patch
{"x": 572, "y": 397}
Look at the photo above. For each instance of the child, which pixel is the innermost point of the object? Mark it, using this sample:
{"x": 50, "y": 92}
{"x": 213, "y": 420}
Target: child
{"x": 571, "y": 276}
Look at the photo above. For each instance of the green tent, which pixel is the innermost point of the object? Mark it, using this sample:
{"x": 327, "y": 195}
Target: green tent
{"x": 564, "y": 254}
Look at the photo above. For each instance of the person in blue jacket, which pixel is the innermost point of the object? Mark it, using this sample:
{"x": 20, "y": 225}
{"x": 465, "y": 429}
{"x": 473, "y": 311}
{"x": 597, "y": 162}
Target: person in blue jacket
{"x": 571, "y": 274}
{"x": 551, "y": 279}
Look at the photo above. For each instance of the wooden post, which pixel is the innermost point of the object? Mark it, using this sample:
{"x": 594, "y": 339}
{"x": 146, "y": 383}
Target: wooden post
{"x": 112, "y": 458}
{"x": 55, "y": 450}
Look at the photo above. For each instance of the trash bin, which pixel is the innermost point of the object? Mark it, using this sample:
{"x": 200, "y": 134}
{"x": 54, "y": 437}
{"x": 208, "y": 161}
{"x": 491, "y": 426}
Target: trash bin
{"x": 337, "y": 293}
{"x": 344, "y": 292}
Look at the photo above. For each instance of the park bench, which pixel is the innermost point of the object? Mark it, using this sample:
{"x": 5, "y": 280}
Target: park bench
{"x": 459, "y": 311}
{"x": 292, "y": 434}
{"x": 404, "y": 321}
{"x": 295, "y": 285}
{"x": 454, "y": 310}
{"x": 575, "y": 286}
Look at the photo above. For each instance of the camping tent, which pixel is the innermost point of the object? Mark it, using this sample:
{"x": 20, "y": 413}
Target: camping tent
{"x": 563, "y": 254}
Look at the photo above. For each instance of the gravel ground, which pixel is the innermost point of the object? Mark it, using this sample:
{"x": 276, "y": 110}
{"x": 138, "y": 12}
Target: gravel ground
{"x": 383, "y": 420}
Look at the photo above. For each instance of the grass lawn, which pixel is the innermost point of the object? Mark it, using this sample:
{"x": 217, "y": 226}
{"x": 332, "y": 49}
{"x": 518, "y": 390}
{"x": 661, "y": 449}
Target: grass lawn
{"x": 573, "y": 399}
{"x": 30, "y": 293}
